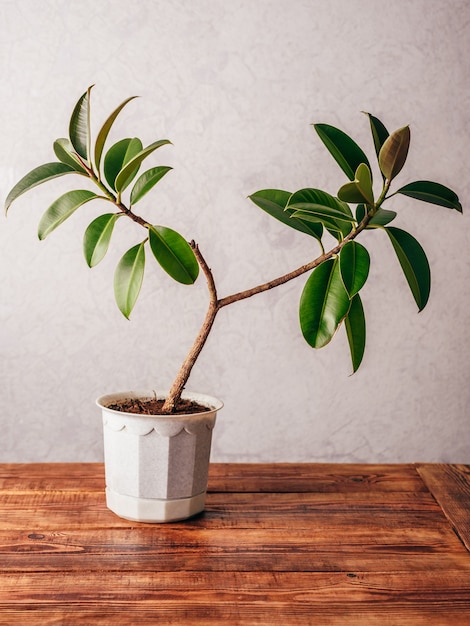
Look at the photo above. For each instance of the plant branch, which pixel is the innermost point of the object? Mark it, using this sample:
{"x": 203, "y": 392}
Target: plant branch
{"x": 242, "y": 295}
{"x": 214, "y": 307}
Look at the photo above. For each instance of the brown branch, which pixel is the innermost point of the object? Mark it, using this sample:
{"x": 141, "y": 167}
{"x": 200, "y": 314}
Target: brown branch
{"x": 180, "y": 381}
{"x": 242, "y": 295}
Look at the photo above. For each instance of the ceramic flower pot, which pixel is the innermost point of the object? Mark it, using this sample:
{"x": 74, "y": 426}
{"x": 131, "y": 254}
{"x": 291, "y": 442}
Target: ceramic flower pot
{"x": 156, "y": 466}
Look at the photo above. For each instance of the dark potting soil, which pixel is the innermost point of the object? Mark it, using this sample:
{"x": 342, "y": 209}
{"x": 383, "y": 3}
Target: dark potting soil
{"x": 154, "y": 406}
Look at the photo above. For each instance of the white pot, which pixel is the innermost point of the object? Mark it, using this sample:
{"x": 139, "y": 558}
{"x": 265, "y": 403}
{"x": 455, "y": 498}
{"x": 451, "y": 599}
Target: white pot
{"x": 156, "y": 466}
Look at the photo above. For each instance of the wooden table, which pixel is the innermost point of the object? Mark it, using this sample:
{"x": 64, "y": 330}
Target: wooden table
{"x": 278, "y": 544}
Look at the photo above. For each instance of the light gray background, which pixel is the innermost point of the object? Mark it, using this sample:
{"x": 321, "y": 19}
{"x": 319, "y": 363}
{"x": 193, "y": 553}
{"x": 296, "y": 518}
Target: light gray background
{"x": 235, "y": 85}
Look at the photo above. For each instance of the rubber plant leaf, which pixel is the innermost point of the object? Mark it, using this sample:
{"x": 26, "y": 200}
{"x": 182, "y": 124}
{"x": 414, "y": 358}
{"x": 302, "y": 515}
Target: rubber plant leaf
{"x": 414, "y": 264}
{"x": 39, "y": 175}
{"x": 343, "y": 149}
{"x": 434, "y": 193}
{"x": 354, "y": 263}
{"x": 63, "y": 208}
{"x": 382, "y": 218}
{"x": 174, "y": 254}
{"x": 324, "y": 303}
{"x": 118, "y": 156}
{"x": 146, "y": 181}
{"x": 63, "y": 150}
{"x": 275, "y": 201}
{"x": 360, "y": 189}
{"x": 316, "y": 205}
{"x": 130, "y": 169}
{"x": 97, "y": 237}
{"x": 379, "y": 132}
{"x": 318, "y": 201}
{"x": 393, "y": 153}
{"x": 128, "y": 278}
{"x": 104, "y": 131}
{"x": 355, "y": 324}
{"x": 79, "y": 127}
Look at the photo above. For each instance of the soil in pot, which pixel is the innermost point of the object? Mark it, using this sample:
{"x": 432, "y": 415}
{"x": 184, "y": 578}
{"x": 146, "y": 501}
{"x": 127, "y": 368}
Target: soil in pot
{"x": 154, "y": 406}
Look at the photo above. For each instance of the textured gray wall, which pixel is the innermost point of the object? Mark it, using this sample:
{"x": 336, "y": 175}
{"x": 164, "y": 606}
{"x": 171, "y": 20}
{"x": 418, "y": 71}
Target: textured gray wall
{"x": 235, "y": 85}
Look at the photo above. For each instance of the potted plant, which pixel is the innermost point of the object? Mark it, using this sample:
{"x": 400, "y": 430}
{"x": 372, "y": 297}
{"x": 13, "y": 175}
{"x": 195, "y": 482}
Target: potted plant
{"x": 157, "y": 444}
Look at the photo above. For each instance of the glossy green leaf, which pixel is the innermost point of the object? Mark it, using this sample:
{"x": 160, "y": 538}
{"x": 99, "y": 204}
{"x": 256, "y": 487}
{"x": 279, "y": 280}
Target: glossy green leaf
{"x": 63, "y": 208}
{"x": 128, "y": 171}
{"x": 79, "y": 127}
{"x": 118, "y": 156}
{"x": 323, "y": 305}
{"x": 174, "y": 254}
{"x": 379, "y": 132}
{"x": 318, "y": 206}
{"x": 393, "y": 153}
{"x": 128, "y": 278}
{"x": 343, "y": 149}
{"x": 146, "y": 181}
{"x": 434, "y": 193}
{"x": 382, "y": 218}
{"x": 104, "y": 131}
{"x": 318, "y": 201}
{"x": 360, "y": 213}
{"x": 414, "y": 264}
{"x": 274, "y": 202}
{"x": 354, "y": 263}
{"x": 355, "y": 324}
{"x": 360, "y": 189}
{"x": 39, "y": 175}
{"x": 97, "y": 237}
{"x": 64, "y": 151}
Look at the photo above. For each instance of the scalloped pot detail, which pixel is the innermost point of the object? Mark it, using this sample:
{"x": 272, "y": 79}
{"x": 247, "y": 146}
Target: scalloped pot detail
{"x": 165, "y": 427}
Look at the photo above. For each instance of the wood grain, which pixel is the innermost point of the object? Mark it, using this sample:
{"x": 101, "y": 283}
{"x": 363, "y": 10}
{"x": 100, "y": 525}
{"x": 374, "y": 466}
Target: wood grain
{"x": 277, "y": 544}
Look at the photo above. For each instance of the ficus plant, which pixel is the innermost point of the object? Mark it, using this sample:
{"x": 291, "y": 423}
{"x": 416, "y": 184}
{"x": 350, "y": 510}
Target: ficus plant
{"x": 331, "y": 294}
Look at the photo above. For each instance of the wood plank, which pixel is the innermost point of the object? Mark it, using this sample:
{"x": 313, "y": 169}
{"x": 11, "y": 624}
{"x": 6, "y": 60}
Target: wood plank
{"x": 313, "y": 477}
{"x": 240, "y": 597}
{"x": 450, "y": 485}
{"x": 323, "y": 548}
{"x": 227, "y": 477}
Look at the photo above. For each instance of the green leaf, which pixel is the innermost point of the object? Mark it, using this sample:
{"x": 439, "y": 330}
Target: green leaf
{"x": 128, "y": 171}
{"x": 393, "y": 153}
{"x": 382, "y": 218}
{"x": 39, "y": 175}
{"x": 104, "y": 131}
{"x": 316, "y": 205}
{"x": 79, "y": 127}
{"x": 318, "y": 201}
{"x": 274, "y": 202}
{"x": 355, "y": 324}
{"x": 128, "y": 278}
{"x": 414, "y": 264}
{"x": 97, "y": 237}
{"x": 323, "y": 305}
{"x": 118, "y": 156}
{"x": 146, "y": 181}
{"x": 343, "y": 149}
{"x": 62, "y": 209}
{"x": 434, "y": 193}
{"x": 63, "y": 150}
{"x": 354, "y": 266}
{"x": 379, "y": 132}
{"x": 174, "y": 254}
{"x": 360, "y": 189}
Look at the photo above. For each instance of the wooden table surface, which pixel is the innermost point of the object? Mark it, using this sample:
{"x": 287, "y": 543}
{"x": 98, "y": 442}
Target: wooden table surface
{"x": 277, "y": 544}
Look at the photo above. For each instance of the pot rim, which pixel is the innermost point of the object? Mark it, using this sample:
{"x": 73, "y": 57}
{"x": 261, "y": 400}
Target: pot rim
{"x": 210, "y": 402}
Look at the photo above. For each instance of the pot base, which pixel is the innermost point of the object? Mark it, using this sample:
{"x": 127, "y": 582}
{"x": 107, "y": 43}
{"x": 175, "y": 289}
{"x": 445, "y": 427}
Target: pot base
{"x": 152, "y": 510}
